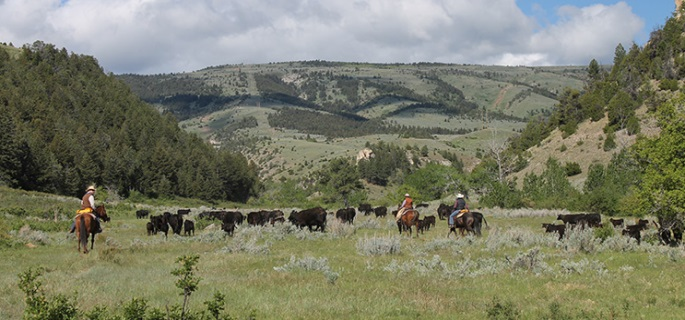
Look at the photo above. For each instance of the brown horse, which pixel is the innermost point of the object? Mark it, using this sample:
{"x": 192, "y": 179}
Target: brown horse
{"x": 409, "y": 219}
{"x": 85, "y": 225}
{"x": 464, "y": 223}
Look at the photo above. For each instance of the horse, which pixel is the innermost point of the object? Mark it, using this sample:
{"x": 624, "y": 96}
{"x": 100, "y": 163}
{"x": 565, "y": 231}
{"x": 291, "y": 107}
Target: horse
{"x": 409, "y": 219}
{"x": 85, "y": 225}
{"x": 464, "y": 223}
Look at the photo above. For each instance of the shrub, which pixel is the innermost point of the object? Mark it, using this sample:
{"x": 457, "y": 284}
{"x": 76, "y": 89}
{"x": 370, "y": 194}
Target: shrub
{"x": 378, "y": 246}
{"x": 38, "y": 305}
{"x": 572, "y": 169}
{"x": 498, "y": 310}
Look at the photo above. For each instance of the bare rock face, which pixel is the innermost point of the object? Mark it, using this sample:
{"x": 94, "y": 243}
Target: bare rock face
{"x": 364, "y": 154}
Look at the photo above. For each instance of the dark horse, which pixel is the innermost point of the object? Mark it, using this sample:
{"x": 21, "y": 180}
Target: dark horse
{"x": 409, "y": 219}
{"x": 85, "y": 225}
{"x": 464, "y": 223}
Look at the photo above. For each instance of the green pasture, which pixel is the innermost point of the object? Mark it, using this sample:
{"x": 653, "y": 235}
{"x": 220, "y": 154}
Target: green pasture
{"x": 360, "y": 271}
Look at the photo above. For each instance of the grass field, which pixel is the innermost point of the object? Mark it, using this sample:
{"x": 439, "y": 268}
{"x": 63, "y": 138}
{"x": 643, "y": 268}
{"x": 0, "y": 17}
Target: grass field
{"x": 363, "y": 271}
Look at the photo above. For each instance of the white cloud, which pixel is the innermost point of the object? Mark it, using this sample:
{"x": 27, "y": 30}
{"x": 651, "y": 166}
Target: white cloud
{"x": 155, "y": 36}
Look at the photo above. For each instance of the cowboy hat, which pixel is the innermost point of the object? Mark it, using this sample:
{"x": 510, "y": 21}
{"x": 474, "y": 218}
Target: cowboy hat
{"x": 91, "y": 187}
{"x": 406, "y": 194}
{"x": 459, "y": 195}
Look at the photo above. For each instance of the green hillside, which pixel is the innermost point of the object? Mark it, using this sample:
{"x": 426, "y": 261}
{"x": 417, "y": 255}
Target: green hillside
{"x": 446, "y": 107}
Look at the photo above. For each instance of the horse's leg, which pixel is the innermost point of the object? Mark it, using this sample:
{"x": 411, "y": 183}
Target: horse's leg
{"x": 92, "y": 240}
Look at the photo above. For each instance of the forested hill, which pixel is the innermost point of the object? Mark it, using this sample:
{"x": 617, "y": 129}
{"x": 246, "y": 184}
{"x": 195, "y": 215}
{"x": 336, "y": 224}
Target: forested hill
{"x": 66, "y": 124}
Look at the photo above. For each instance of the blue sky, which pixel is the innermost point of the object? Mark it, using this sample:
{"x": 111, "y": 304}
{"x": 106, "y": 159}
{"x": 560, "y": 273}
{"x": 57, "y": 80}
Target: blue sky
{"x": 165, "y": 36}
{"x": 653, "y": 12}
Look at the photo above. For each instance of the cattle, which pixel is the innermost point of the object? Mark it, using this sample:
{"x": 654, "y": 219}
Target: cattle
{"x": 175, "y": 222}
{"x": 430, "y": 221}
{"x": 380, "y": 211}
{"x": 262, "y": 217}
{"x": 228, "y": 227}
{"x": 365, "y": 208}
{"x": 140, "y": 214}
{"x": 255, "y": 218}
{"x": 313, "y": 217}
{"x": 188, "y": 227}
{"x": 572, "y": 219}
{"x": 444, "y": 211}
{"x": 581, "y": 219}
{"x": 150, "y": 228}
{"x": 616, "y": 222}
{"x": 558, "y": 228}
{"x": 634, "y": 230}
{"x": 160, "y": 224}
{"x": 181, "y": 212}
{"x": 593, "y": 220}
{"x": 234, "y": 216}
{"x": 422, "y": 205}
{"x": 346, "y": 214}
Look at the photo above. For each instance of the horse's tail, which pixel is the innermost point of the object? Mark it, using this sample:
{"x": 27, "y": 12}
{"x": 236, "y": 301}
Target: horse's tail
{"x": 486, "y": 222}
{"x": 83, "y": 232}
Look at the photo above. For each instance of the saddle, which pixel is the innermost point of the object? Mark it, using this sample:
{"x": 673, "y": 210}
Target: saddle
{"x": 461, "y": 213}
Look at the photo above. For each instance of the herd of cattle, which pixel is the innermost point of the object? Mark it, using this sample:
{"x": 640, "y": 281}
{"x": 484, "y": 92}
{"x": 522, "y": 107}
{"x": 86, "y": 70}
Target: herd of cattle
{"x": 669, "y": 232}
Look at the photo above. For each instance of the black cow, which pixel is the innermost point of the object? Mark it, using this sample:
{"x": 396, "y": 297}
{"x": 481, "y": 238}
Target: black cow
{"x": 365, "y": 208}
{"x": 478, "y": 220}
{"x": 380, "y": 211}
{"x": 188, "y": 227}
{"x": 313, "y": 217}
{"x": 140, "y": 214}
{"x": 175, "y": 222}
{"x": 558, "y": 228}
{"x": 255, "y": 218}
{"x": 346, "y": 214}
{"x": 593, "y": 220}
{"x": 422, "y": 205}
{"x": 444, "y": 211}
{"x": 633, "y": 231}
{"x": 181, "y": 212}
{"x": 160, "y": 224}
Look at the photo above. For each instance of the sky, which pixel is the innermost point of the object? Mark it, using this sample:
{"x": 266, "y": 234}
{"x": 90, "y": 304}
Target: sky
{"x": 172, "y": 36}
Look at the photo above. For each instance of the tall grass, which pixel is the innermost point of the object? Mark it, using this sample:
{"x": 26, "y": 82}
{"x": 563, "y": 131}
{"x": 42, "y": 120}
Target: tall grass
{"x": 363, "y": 270}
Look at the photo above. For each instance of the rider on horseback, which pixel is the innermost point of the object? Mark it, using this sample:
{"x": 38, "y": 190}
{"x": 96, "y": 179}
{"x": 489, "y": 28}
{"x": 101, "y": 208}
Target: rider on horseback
{"x": 88, "y": 206}
{"x": 460, "y": 207}
{"x": 407, "y": 204}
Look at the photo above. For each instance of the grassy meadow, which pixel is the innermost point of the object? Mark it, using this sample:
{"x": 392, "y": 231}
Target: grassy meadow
{"x": 360, "y": 271}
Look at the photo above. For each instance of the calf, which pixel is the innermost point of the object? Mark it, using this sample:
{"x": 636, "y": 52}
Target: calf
{"x": 188, "y": 227}
{"x": 616, "y": 222}
{"x": 633, "y": 232}
{"x": 228, "y": 228}
{"x": 181, "y": 212}
{"x": 422, "y": 225}
{"x": 444, "y": 211}
{"x": 430, "y": 221}
{"x": 150, "y": 228}
{"x": 558, "y": 228}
